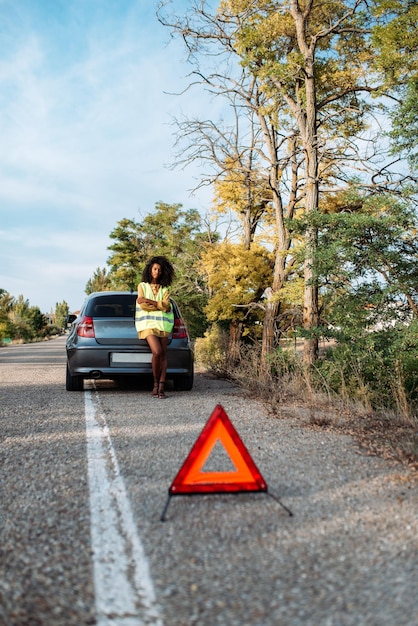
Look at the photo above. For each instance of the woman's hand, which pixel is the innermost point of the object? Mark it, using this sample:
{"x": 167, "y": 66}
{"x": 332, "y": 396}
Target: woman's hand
{"x": 147, "y": 302}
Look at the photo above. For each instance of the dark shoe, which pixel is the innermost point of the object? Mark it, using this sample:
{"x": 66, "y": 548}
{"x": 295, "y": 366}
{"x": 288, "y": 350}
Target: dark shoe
{"x": 161, "y": 393}
{"x": 155, "y": 391}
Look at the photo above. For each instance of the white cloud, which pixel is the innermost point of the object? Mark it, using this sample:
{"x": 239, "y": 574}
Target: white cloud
{"x": 47, "y": 266}
{"x": 84, "y": 144}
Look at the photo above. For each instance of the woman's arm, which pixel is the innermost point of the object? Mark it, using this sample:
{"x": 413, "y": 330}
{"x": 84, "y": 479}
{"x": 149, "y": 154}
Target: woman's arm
{"x": 164, "y": 304}
{"x": 145, "y": 303}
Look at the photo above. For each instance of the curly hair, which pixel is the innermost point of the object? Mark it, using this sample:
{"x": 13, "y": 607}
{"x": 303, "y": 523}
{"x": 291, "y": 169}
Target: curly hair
{"x": 167, "y": 271}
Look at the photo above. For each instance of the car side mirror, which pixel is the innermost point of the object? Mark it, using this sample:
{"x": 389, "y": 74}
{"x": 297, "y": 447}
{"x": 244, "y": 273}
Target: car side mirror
{"x": 71, "y": 319}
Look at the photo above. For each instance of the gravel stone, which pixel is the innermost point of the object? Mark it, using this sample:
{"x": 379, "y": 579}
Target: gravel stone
{"x": 347, "y": 557}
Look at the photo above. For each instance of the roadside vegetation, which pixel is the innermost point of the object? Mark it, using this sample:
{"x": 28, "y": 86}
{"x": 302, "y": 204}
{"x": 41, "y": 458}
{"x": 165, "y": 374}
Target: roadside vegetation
{"x": 21, "y": 323}
{"x": 301, "y": 282}
{"x": 369, "y": 390}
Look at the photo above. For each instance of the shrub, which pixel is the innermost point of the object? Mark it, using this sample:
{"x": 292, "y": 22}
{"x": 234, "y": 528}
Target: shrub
{"x": 211, "y": 351}
{"x": 379, "y": 369}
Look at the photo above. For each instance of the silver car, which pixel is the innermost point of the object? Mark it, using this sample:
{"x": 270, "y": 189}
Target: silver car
{"x": 103, "y": 343}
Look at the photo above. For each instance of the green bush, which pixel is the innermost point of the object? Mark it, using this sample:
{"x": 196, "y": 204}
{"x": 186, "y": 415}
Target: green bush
{"x": 380, "y": 369}
{"x": 283, "y": 362}
{"x": 211, "y": 351}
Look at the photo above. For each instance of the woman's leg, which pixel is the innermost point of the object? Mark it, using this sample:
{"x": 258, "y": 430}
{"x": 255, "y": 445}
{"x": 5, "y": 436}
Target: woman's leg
{"x": 163, "y": 358}
{"x": 156, "y": 349}
{"x": 163, "y": 361}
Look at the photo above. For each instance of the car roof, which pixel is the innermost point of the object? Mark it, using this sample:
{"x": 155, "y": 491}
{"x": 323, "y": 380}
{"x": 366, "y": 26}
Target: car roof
{"x": 111, "y": 293}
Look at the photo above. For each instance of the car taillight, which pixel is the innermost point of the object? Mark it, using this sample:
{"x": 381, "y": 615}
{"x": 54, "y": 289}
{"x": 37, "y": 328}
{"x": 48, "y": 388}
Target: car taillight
{"x": 85, "y": 328}
{"x": 179, "y": 329}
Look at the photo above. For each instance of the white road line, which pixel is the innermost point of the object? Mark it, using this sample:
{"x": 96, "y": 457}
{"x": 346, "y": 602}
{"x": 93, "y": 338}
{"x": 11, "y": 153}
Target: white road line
{"x": 124, "y": 592}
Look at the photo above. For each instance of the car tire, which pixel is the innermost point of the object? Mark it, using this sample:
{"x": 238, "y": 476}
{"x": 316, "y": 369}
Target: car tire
{"x": 73, "y": 383}
{"x": 183, "y": 383}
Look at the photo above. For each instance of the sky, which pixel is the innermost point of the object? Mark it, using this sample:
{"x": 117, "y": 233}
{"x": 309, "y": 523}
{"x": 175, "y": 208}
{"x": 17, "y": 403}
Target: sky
{"x": 86, "y": 136}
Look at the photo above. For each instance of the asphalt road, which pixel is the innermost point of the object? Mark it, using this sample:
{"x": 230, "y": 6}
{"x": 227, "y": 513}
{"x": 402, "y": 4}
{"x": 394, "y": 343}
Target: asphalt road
{"x": 84, "y": 480}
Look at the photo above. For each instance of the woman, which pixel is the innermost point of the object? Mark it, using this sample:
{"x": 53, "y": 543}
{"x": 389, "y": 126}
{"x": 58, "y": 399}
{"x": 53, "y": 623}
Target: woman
{"x": 154, "y": 317}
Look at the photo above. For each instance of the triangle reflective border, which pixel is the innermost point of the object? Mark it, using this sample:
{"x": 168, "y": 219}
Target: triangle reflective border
{"x": 192, "y": 479}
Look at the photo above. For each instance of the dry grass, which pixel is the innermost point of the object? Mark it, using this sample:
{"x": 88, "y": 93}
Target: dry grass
{"x": 389, "y": 434}
{"x": 384, "y": 434}
{"x": 287, "y": 389}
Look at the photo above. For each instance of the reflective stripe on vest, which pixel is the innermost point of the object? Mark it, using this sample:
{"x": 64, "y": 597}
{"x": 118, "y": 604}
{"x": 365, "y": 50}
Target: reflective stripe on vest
{"x": 158, "y": 320}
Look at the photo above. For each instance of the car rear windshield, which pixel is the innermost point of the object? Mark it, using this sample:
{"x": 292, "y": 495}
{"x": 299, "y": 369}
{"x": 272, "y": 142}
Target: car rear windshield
{"x": 112, "y": 306}
{"x": 118, "y": 305}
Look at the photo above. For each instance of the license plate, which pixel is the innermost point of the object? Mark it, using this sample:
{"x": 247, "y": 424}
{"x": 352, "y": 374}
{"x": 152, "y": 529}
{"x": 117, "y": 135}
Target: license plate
{"x": 130, "y": 357}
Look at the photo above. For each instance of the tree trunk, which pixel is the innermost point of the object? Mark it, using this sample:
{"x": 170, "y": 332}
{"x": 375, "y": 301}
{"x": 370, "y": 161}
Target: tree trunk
{"x": 273, "y": 307}
{"x": 269, "y": 330}
{"x": 235, "y": 333}
{"x": 310, "y": 300}
{"x": 307, "y": 122}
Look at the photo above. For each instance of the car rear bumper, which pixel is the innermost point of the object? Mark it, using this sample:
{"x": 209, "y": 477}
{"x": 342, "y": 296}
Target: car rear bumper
{"x": 100, "y": 362}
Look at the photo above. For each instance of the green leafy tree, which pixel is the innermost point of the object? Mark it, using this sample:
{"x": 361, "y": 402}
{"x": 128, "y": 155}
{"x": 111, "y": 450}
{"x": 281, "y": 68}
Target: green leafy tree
{"x": 311, "y": 65}
{"x": 256, "y": 162}
{"x": 366, "y": 267}
{"x": 404, "y": 133}
{"x": 396, "y": 43}
{"x": 37, "y": 321}
{"x": 6, "y": 301}
{"x": 245, "y": 191}
{"x": 62, "y": 311}
{"x": 369, "y": 257}
{"x": 314, "y": 60}
{"x": 7, "y": 330}
{"x": 20, "y": 318}
{"x": 127, "y": 254}
{"x": 100, "y": 281}
{"x": 171, "y": 231}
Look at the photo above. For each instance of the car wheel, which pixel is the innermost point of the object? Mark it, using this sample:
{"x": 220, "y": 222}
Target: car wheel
{"x": 73, "y": 383}
{"x": 183, "y": 383}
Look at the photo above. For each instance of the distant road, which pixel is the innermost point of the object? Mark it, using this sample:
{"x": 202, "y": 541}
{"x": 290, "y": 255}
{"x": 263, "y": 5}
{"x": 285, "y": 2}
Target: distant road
{"x": 84, "y": 479}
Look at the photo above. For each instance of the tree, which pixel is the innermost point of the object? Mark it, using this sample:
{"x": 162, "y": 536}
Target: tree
{"x": 20, "y": 320}
{"x": 367, "y": 271}
{"x": 127, "y": 254}
{"x": 230, "y": 152}
{"x": 62, "y": 311}
{"x": 19, "y": 315}
{"x": 404, "y": 132}
{"x": 314, "y": 60}
{"x": 256, "y": 165}
{"x": 171, "y": 231}
{"x": 100, "y": 281}
{"x": 37, "y": 321}
{"x": 247, "y": 193}
{"x": 307, "y": 74}
{"x": 236, "y": 278}
{"x": 396, "y": 43}
{"x": 6, "y": 305}
{"x": 25, "y": 322}
{"x": 368, "y": 255}
{"x": 6, "y": 302}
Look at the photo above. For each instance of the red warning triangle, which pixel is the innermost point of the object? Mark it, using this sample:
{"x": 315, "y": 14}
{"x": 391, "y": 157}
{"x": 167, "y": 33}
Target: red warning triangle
{"x": 191, "y": 477}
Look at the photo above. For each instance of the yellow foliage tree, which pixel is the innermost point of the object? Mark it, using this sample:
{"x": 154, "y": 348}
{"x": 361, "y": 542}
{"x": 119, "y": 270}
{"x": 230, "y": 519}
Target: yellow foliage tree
{"x": 236, "y": 278}
{"x": 244, "y": 191}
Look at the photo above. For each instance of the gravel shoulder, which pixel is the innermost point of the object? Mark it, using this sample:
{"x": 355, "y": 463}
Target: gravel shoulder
{"x": 45, "y": 554}
{"x": 347, "y": 557}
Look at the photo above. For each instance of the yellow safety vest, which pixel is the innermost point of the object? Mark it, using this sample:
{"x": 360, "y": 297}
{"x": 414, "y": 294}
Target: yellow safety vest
{"x": 158, "y": 320}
